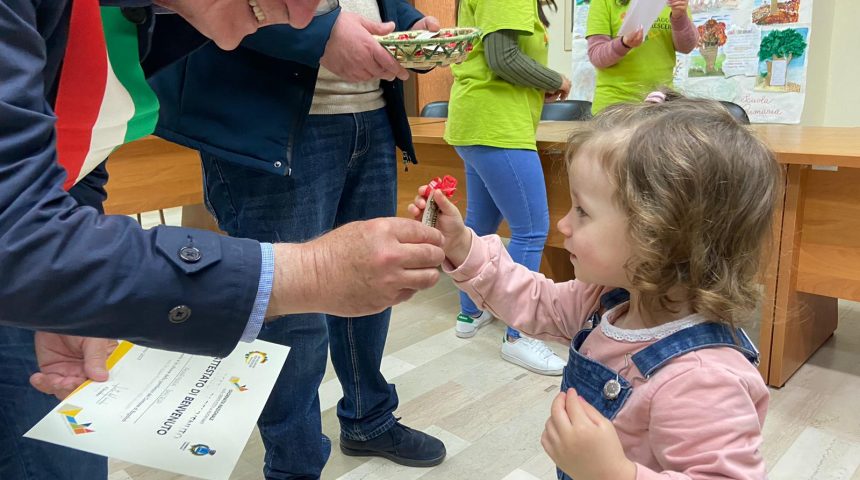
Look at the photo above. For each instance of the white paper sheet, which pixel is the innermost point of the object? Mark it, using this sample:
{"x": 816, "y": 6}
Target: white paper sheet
{"x": 641, "y": 13}
{"x": 777, "y": 73}
{"x": 188, "y": 414}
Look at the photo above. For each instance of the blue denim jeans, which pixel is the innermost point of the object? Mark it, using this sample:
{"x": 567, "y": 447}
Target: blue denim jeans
{"x": 21, "y": 407}
{"x": 509, "y": 184}
{"x": 345, "y": 170}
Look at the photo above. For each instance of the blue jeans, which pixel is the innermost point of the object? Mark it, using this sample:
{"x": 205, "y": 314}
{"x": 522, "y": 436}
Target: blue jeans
{"x": 345, "y": 170}
{"x": 509, "y": 184}
{"x": 21, "y": 407}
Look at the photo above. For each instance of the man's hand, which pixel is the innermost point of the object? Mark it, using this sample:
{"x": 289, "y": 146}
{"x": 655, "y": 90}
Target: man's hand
{"x": 65, "y": 362}
{"x": 358, "y": 269}
{"x": 355, "y": 56}
{"x": 429, "y": 23}
{"x": 227, "y": 22}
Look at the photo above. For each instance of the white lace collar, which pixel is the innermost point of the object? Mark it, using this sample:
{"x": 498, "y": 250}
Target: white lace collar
{"x": 644, "y": 334}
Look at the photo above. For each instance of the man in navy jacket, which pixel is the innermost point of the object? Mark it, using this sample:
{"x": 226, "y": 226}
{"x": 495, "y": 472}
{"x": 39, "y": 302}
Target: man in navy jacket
{"x": 67, "y": 269}
{"x": 289, "y": 152}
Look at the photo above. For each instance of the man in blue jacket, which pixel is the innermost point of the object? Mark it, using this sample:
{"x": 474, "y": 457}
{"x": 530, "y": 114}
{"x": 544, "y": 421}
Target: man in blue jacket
{"x": 69, "y": 270}
{"x": 292, "y": 148}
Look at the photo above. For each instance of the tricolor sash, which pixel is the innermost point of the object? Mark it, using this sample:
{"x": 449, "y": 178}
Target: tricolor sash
{"x": 103, "y": 99}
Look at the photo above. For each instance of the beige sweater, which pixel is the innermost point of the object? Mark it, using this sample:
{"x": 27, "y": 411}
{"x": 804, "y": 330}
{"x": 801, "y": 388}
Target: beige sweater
{"x": 335, "y": 95}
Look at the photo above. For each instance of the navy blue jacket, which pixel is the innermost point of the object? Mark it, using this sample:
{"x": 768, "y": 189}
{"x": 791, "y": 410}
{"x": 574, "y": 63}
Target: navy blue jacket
{"x": 67, "y": 268}
{"x": 248, "y": 106}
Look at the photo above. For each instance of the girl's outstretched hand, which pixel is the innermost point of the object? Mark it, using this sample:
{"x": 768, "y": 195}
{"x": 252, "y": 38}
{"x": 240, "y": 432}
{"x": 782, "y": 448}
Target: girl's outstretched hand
{"x": 583, "y": 443}
{"x": 458, "y": 238}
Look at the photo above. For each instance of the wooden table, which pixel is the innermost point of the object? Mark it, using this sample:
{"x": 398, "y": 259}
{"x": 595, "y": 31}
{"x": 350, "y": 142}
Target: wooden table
{"x": 815, "y": 256}
{"x": 816, "y": 244}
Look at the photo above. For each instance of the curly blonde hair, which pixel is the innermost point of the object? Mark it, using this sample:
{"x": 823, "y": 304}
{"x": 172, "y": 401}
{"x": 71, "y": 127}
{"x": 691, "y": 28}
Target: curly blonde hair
{"x": 698, "y": 189}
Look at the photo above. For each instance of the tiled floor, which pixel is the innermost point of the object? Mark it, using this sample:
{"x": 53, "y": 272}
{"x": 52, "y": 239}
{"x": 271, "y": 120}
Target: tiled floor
{"x": 491, "y": 413}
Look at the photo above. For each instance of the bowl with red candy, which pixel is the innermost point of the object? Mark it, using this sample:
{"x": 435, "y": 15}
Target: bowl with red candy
{"x": 425, "y": 49}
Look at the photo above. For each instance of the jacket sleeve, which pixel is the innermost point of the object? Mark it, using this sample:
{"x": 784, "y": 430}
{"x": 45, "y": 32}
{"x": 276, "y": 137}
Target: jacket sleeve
{"x": 68, "y": 269}
{"x": 523, "y": 299}
{"x": 305, "y": 46}
{"x": 406, "y": 15}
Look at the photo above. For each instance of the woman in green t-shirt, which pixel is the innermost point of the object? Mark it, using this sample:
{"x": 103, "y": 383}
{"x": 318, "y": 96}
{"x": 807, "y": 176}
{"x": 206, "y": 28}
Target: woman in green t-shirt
{"x": 630, "y": 66}
{"x": 495, "y": 106}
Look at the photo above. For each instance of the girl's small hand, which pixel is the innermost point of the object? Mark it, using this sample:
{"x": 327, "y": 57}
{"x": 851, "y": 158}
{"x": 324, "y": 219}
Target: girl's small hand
{"x": 679, "y": 7}
{"x": 458, "y": 238}
{"x": 583, "y": 443}
{"x": 634, "y": 39}
{"x": 559, "y": 95}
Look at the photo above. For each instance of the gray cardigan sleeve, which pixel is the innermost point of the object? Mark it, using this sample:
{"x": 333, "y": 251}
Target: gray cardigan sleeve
{"x": 505, "y": 58}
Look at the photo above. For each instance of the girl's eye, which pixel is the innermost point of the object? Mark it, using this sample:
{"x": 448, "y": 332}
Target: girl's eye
{"x": 581, "y": 212}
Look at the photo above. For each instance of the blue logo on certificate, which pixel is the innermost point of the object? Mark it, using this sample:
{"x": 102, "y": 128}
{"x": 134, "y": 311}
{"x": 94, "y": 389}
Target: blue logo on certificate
{"x": 201, "y": 450}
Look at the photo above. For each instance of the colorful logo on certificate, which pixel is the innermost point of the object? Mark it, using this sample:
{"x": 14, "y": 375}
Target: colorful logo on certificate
{"x": 70, "y": 413}
{"x": 255, "y": 357}
{"x": 201, "y": 450}
{"x": 235, "y": 382}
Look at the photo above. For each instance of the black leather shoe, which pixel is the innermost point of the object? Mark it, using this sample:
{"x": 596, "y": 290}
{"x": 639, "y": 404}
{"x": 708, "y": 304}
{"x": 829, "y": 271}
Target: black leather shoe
{"x": 400, "y": 444}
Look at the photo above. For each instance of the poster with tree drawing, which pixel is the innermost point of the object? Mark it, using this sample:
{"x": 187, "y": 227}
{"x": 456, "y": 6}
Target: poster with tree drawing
{"x": 782, "y": 59}
{"x": 751, "y": 52}
{"x": 707, "y": 58}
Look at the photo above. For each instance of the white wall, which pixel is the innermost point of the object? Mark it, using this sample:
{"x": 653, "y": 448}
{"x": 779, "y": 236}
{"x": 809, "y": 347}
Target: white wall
{"x": 833, "y": 75}
{"x": 842, "y": 91}
{"x": 559, "y": 60}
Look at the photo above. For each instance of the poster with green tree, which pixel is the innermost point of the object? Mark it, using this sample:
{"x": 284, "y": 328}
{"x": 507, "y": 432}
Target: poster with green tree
{"x": 782, "y": 59}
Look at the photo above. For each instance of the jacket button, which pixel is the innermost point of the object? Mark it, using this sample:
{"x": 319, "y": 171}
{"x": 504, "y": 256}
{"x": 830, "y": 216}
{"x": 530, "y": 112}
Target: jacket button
{"x": 190, "y": 254}
{"x": 179, "y": 314}
{"x": 136, "y": 15}
{"x": 611, "y": 389}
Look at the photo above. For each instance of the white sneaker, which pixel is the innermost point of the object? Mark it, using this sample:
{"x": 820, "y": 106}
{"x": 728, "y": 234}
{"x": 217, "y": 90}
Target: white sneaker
{"x": 532, "y": 355}
{"x": 467, "y": 326}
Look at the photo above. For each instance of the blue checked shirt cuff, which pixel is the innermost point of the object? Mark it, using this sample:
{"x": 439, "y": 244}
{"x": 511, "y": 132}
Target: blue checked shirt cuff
{"x": 264, "y": 291}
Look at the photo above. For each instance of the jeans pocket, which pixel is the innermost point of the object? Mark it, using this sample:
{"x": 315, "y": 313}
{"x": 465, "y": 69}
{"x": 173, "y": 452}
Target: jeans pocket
{"x": 216, "y": 194}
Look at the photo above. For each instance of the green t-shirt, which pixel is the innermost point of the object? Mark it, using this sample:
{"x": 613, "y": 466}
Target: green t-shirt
{"x": 483, "y": 108}
{"x": 644, "y": 68}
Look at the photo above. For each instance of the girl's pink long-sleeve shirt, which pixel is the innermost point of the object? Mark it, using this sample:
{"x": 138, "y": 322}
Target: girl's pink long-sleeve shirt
{"x": 699, "y": 417}
{"x": 604, "y": 52}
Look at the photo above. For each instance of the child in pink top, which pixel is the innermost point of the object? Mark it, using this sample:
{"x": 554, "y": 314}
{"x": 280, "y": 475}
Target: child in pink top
{"x": 672, "y": 200}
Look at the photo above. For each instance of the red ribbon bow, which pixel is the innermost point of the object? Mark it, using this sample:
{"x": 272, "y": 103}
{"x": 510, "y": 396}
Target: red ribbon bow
{"x": 447, "y": 184}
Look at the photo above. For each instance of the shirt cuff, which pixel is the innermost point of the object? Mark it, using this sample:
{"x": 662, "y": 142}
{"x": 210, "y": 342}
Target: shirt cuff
{"x": 264, "y": 291}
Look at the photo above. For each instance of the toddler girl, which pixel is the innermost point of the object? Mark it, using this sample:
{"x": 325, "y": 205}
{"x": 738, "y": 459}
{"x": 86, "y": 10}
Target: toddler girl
{"x": 671, "y": 203}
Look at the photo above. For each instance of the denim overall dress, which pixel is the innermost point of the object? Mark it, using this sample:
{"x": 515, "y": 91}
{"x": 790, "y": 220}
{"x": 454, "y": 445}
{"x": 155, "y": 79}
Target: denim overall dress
{"x": 608, "y": 390}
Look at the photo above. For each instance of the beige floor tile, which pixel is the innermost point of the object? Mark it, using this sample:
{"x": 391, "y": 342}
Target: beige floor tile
{"x": 520, "y": 475}
{"x": 818, "y": 455}
{"x": 491, "y": 413}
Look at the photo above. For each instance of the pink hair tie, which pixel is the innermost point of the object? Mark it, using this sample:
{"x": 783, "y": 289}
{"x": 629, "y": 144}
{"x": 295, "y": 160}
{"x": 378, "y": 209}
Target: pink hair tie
{"x": 656, "y": 97}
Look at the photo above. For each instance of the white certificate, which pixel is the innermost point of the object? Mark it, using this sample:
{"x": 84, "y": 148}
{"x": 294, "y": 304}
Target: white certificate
{"x": 641, "y": 13}
{"x": 188, "y": 414}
